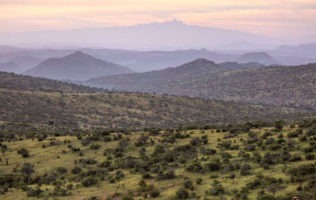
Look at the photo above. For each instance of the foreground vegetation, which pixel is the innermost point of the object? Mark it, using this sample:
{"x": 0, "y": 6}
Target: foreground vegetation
{"x": 247, "y": 161}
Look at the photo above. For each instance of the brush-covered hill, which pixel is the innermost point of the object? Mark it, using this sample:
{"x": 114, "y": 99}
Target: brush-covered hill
{"x": 13, "y": 81}
{"x": 277, "y": 85}
{"x": 40, "y": 102}
{"x": 76, "y": 66}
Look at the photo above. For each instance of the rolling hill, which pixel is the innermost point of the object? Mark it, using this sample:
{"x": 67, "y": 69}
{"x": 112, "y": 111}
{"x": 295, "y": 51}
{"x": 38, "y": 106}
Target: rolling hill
{"x": 76, "y": 66}
{"x": 282, "y": 85}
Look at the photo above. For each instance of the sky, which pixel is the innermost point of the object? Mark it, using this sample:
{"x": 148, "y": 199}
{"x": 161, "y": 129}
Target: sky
{"x": 275, "y": 18}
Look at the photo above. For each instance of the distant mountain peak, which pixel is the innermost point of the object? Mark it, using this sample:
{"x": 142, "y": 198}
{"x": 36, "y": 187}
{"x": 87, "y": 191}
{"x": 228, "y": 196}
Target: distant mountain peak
{"x": 174, "y": 22}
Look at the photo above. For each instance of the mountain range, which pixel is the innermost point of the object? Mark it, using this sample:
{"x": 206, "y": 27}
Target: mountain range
{"x": 142, "y": 61}
{"x": 76, "y": 66}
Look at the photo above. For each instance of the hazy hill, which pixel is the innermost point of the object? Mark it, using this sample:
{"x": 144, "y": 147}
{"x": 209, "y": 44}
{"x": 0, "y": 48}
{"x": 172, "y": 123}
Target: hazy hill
{"x": 294, "y": 86}
{"x": 303, "y": 50}
{"x": 260, "y": 57}
{"x": 76, "y": 66}
{"x": 38, "y": 101}
{"x": 10, "y": 67}
{"x": 26, "y": 62}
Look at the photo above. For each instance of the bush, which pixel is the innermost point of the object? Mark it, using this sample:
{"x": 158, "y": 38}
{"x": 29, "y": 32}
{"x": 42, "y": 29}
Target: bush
{"x": 188, "y": 185}
{"x": 154, "y": 193}
{"x": 182, "y": 193}
{"x": 61, "y": 170}
{"x": 95, "y": 146}
{"x": 245, "y": 169}
{"x": 217, "y": 189}
{"x": 23, "y": 152}
{"x": 89, "y": 181}
{"x": 76, "y": 170}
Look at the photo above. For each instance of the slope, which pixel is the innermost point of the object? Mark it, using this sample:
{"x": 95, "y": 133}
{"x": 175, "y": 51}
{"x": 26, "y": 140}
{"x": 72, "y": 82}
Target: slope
{"x": 41, "y": 102}
{"x": 283, "y": 85}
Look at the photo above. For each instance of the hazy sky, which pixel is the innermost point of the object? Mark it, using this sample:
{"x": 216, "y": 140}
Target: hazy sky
{"x": 277, "y": 18}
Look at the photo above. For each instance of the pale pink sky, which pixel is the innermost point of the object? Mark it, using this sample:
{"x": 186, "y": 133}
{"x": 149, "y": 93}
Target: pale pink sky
{"x": 277, "y": 18}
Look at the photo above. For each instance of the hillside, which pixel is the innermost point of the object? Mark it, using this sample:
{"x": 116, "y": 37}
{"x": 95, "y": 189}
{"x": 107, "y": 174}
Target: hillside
{"x": 10, "y": 67}
{"x": 118, "y": 110}
{"x": 39, "y": 101}
{"x": 20, "y": 82}
{"x": 260, "y": 57}
{"x": 76, "y": 66}
{"x": 152, "y": 81}
{"x": 250, "y": 161}
{"x": 292, "y": 86}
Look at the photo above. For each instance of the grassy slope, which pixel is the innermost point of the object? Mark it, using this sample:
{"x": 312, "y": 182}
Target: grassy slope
{"x": 57, "y": 158}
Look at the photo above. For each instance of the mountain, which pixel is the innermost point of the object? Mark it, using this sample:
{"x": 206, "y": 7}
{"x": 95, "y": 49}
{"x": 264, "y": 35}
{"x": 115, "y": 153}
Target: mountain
{"x": 36, "y": 101}
{"x": 168, "y": 35}
{"x": 277, "y": 85}
{"x": 235, "y": 65}
{"x": 76, "y": 66}
{"x": 10, "y": 67}
{"x": 260, "y": 57}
